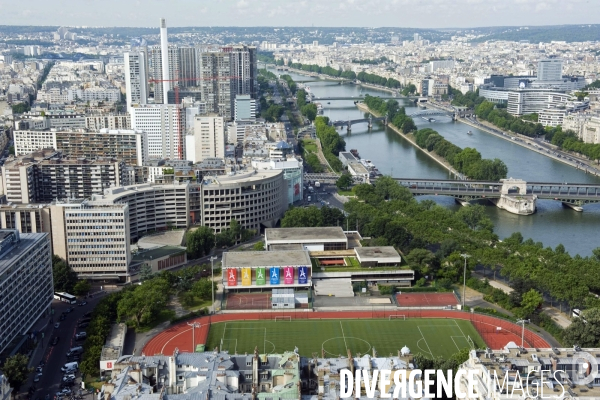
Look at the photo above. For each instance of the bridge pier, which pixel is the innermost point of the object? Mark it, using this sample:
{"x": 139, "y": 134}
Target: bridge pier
{"x": 573, "y": 206}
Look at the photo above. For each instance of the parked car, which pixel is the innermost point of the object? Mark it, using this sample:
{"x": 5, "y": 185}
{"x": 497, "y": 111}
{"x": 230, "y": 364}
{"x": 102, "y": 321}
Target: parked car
{"x": 80, "y": 336}
{"x": 83, "y": 303}
{"x": 37, "y": 377}
{"x": 69, "y": 377}
{"x": 55, "y": 340}
{"x": 83, "y": 325}
{"x": 57, "y": 325}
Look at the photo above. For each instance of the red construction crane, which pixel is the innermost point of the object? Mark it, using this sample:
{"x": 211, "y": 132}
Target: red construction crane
{"x": 176, "y": 89}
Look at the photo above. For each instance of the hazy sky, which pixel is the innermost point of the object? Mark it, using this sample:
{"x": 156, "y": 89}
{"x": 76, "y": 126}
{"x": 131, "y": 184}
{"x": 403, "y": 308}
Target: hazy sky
{"x": 368, "y": 13}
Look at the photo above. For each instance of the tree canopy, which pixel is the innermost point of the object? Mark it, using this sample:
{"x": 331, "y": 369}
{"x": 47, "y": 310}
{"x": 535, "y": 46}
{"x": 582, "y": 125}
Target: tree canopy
{"x": 16, "y": 371}
{"x": 64, "y": 277}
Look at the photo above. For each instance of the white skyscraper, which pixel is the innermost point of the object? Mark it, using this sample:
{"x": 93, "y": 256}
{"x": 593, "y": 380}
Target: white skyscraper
{"x": 164, "y": 48}
{"x": 207, "y": 140}
{"x": 136, "y": 78}
{"x": 164, "y": 125}
{"x": 550, "y": 69}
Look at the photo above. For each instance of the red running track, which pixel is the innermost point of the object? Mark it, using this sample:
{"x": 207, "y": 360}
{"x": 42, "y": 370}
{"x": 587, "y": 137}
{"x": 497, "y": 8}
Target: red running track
{"x": 180, "y": 336}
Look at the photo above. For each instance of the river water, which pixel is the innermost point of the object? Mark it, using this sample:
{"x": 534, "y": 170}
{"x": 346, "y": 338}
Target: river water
{"x": 393, "y": 155}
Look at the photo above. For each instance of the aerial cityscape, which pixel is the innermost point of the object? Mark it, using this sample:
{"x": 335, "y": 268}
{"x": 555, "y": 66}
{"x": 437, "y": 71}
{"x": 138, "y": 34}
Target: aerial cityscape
{"x": 257, "y": 200}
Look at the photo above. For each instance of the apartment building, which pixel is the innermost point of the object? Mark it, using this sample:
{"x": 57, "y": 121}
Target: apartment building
{"x": 586, "y": 126}
{"x": 214, "y": 70}
{"x": 47, "y": 176}
{"x": 109, "y": 121}
{"x": 151, "y": 207}
{"x": 245, "y": 108}
{"x": 26, "y": 218}
{"x": 256, "y": 199}
{"x": 93, "y": 238}
{"x": 157, "y": 71}
{"x": 164, "y": 125}
{"x": 26, "y": 285}
{"x": 207, "y": 375}
{"x": 207, "y": 138}
{"x": 549, "y": 373}
{"x": 136, "y": 78}
{"x": 130, "y": 146}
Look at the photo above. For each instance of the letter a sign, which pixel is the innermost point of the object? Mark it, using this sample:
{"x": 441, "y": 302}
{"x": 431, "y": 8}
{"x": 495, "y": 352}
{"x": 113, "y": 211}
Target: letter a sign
{"x": 232, "y": 277}
{"x": 261, "y": 276}
{"x": 274, "y": 273}
{"x": 288, "y": 275}
{"x": 302, "y": 275}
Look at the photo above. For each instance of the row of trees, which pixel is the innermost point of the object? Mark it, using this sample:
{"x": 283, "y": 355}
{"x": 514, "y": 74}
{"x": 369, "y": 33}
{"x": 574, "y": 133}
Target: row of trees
{"x": 470, "y": 99}
{"x": 309, "y": 110}
{"x": 331, "y": 142}
{"x": 566, "y": 140}
{"x": 378, "y": 80}
{"x": 65, "y": 279}
{"x": 396, "y": 114}
{"x": 313, "y": 217}
{"x": 467, "y": 161}
{"x": 290, "y": 82}
{"x": 138, "y": 306}
{"x": 336, "y": 73}
{"x": 202, "y": 240}
{"x": 503, "y": 120}
{"x": 433, "y": 237}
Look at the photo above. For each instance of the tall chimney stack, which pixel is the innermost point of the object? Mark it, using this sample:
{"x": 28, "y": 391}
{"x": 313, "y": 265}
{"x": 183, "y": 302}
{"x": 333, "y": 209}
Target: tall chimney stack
{"x": 164, "y": 50}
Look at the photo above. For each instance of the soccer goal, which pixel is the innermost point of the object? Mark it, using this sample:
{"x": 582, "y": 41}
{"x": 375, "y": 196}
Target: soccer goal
{"x": 471, "y": 342}
{"x": 397, "y": 316}
{"x": 283, "y": 318}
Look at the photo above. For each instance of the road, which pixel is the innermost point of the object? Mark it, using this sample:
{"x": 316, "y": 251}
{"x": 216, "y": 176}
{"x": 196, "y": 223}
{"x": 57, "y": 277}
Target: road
{"x": 55, "y": 356}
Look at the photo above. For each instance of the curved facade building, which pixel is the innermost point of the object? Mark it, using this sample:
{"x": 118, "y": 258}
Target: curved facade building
{"x": 256, "y": 199}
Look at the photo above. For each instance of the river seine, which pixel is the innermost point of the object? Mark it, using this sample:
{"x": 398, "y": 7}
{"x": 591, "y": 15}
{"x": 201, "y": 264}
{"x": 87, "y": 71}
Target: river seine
{"x": 393, "y": 155}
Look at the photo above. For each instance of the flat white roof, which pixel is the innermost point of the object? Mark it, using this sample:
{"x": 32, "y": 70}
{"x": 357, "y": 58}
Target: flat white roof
{"x": 305, "y": 235}
{"x": 255, "y": 259}
{"x": 383, "y": 254}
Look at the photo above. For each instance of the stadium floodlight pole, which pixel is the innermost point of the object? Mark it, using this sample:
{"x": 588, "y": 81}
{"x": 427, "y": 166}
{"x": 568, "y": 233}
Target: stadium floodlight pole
{"x": 212, "y": 281}
{"x": 523, "y": 322}
{"x": 194, "y": 325}
{"x": 465, "y": 256}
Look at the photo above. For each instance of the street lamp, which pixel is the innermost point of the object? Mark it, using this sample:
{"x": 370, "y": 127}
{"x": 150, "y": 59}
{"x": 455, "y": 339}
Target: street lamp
{"x": 465, "y": 256}
{"x": 523, "y": 322}
{"x": 194, "y": 325}
{"x": 212, "y": 281}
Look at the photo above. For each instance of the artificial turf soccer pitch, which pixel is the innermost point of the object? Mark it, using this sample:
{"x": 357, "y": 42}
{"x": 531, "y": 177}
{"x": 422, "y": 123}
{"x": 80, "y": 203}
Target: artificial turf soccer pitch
{"x": 430, "y": 336}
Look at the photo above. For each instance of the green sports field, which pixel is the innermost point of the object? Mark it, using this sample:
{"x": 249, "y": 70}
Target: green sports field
{"x": 436, "y": 337}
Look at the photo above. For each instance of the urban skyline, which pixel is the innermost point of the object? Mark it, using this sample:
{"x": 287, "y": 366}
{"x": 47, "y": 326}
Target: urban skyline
{"x": 348, "y": 13}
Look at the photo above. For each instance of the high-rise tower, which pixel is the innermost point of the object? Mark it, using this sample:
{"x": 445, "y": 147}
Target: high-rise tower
{"x": 164, "y": 47}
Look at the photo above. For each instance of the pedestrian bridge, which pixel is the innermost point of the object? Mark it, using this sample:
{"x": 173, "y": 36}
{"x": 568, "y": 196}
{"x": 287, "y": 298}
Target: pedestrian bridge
{"x": 432, "y": 113}
{"x": 573, "y": 195}
{"x": 348, "y": 124}
{"x": 360, "y": 98}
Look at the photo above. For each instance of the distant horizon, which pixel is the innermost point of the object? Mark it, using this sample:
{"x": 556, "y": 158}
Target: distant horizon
{"x": 298, "y": 26}
{"x": 432, "y": 14}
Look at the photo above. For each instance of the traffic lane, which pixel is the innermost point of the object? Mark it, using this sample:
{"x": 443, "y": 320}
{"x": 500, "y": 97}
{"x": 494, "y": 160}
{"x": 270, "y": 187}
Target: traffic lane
{"x": 55, "y": 356}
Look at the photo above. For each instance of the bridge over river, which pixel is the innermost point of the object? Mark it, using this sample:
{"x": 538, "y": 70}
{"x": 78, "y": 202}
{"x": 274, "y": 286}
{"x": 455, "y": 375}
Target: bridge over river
{"x": 514, "y": 195}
